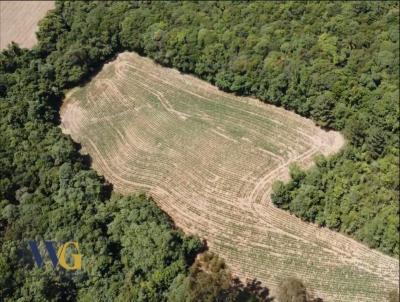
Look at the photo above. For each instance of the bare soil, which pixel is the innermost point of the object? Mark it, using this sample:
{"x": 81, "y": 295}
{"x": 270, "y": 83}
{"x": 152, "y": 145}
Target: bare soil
{"x": 19, "y": 20}
{"x": 209, "y": 160}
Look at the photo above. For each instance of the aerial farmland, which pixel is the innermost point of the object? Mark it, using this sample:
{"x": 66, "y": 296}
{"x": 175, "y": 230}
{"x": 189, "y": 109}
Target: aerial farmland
{"x": 19, "y": 19}
{"x": 199, "y": 151}
{"x": 209, "y": 160}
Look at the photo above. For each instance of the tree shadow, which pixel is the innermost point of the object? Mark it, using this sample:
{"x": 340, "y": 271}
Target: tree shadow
{"x": 252, "y": 288}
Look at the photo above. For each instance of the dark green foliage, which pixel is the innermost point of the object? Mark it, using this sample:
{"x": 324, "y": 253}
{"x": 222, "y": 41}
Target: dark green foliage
{"x": 132, "y": 252}
{"x": 47, "y": 192}
{"x": 337, "y": 63}
{"x": 210, "y": 280}
{"x": 350, "y": 195}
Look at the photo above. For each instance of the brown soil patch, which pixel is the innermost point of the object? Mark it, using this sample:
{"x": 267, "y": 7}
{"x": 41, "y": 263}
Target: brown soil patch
{"x": 209, "y": 159}
{"x": 19, "y": 19}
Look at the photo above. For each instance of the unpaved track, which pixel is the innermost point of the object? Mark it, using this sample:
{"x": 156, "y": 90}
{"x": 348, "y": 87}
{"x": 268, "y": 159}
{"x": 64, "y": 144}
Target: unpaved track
{"x": 19, "y": 19}
{"x": 209, "y": 158}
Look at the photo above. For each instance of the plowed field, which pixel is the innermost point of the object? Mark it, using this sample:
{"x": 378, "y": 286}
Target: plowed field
{"x": 209, "y": 158}
{"x": 19, "y": 19}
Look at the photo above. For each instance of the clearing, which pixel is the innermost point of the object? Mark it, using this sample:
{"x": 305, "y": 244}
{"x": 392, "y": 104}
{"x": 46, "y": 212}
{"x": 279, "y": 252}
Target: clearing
{"x": 209, "y": 158}
{"x": 19, "y": 19}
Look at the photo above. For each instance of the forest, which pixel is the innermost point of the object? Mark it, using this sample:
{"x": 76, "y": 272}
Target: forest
{"x": 336, "y": 63}
{"x": 131, "y": 250}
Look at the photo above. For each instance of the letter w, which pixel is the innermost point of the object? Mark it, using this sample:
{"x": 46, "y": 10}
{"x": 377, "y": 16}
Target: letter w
{"x": 36, "y": 254}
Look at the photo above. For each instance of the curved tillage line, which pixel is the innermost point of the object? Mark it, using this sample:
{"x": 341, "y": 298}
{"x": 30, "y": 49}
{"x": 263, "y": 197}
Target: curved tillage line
{"x": 125, "y": 168}
{"x": 182, "y": 89}
{"x": 266, "y": 121}
{"x": 209, "y": 160}
{"x": 255, "y": 137}
{"x": 178, "y": 77}
{"x": 267, "y": 178}
{"x": 165, "y": 103}
{"x": 245, "y": 112}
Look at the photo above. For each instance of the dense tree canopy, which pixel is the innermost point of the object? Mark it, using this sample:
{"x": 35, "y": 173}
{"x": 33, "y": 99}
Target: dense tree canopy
{"x": 335, "y": 62}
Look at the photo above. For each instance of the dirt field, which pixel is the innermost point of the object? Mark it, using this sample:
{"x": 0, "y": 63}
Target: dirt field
{"x": 209, "y": 159}
{"x": 19, "y": 19}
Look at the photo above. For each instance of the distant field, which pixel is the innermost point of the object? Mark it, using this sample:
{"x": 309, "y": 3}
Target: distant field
{"x": 209, "y": 159}
{"x": 19, "y": 19}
